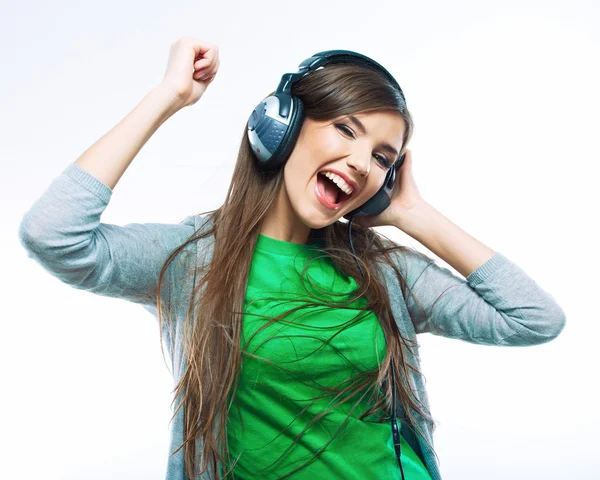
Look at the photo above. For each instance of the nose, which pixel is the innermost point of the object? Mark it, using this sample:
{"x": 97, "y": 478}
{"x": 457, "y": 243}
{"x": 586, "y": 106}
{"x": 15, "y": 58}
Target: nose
{"x": 360, "y": 163}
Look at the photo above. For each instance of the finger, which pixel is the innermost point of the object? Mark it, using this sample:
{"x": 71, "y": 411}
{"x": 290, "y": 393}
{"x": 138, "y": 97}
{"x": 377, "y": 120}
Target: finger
{"x": 205, "y": 70}
{"x": 407, "y": 163}
{"x": 202, "y": 63}
{"x": 202, "y": 75}
{"x": 200, "y": 47}
{"x": 198, "y": 50}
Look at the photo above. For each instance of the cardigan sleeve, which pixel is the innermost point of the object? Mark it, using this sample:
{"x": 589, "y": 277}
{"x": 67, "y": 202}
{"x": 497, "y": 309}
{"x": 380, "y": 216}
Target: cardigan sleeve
{"x": 62, "y": 232}
{"x": 497, "y": 304}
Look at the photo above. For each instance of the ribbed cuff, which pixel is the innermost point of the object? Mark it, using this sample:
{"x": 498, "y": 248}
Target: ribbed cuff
{"x": 89, "y": 182}
{"x": 480, "y": 274}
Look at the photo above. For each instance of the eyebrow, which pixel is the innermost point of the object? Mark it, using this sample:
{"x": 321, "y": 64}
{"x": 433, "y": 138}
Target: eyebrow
{"x": 361, "y": 127}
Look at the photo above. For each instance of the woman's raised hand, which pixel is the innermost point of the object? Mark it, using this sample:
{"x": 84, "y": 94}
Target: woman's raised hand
{"x": 192, "y": 65}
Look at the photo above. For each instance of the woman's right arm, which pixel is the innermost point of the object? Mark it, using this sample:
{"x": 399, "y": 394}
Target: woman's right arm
{"x": 109, "y": 157}
{"x": 62, "y": 229}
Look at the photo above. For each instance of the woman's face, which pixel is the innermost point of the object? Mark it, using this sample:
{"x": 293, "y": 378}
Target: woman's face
{"x": 329, "y": 145}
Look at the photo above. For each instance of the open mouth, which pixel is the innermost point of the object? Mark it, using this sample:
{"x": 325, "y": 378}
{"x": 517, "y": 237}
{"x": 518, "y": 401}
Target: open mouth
{"x": 329, "y": 193}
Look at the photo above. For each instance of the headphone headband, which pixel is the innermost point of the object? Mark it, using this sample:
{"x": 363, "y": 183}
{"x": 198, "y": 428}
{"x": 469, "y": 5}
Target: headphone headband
{"x": 326, "y": 57}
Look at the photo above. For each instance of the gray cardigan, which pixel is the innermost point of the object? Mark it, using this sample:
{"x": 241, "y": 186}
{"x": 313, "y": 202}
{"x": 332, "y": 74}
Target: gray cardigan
{"x": 497, "y": 304}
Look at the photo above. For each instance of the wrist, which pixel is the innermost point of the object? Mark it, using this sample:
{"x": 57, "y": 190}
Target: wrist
{"x": 168, "y": 101}
{"x": 414, "y": 221}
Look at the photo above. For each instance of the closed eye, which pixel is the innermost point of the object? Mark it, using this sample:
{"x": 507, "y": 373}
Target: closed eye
{"x": 348, "y": 131}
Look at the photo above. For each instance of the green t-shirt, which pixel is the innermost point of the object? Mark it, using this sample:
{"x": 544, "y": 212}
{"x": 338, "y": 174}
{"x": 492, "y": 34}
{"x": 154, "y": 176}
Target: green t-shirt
{"x": 305, "y": 359}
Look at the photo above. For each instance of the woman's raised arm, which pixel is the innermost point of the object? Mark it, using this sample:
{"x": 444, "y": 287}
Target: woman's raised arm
{"x": 62, "y": 229}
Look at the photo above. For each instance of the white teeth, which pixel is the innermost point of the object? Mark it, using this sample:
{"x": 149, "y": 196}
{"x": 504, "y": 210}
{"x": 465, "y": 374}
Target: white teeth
{"x": 339, "y": 181}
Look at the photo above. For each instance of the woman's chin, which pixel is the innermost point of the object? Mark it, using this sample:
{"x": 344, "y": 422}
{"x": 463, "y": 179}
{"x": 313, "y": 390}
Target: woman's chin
{"x": 315, "y": 218}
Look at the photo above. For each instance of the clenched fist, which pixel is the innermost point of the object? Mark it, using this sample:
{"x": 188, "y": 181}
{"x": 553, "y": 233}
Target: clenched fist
{"x": 192, "y": 65}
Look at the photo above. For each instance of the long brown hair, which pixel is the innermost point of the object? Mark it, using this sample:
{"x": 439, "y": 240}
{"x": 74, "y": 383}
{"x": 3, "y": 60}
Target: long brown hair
{"x": 211, "y": 339}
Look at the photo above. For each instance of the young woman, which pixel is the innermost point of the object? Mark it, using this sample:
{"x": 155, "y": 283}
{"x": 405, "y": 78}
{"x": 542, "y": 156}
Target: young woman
{"x": 279, "y": 326}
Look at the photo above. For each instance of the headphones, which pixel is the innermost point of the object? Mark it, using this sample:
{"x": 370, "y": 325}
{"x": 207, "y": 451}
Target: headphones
{"x": 274, "y": 124}
{"x": 273, "y": 129}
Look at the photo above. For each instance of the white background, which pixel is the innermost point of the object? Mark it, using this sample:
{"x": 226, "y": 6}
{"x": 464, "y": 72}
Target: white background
{"x": 506, "y": 105}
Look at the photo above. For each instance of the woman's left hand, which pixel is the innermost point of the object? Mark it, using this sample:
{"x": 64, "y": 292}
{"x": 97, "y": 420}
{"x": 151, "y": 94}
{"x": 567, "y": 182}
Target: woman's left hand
{"x": 405, "y": 196}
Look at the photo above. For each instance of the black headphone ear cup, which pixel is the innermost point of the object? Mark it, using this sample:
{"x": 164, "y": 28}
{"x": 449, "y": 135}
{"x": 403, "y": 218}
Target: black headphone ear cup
{"x": 290, "y": 137}
{"x": 390, "y": 178}
{"x": 378, "y": 202}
